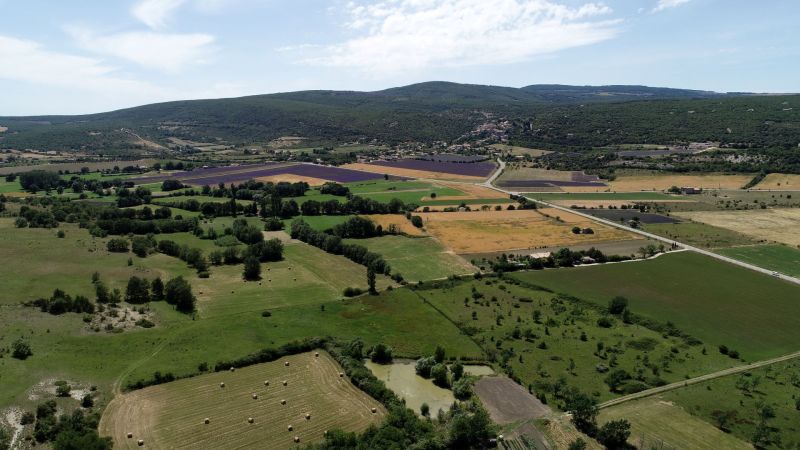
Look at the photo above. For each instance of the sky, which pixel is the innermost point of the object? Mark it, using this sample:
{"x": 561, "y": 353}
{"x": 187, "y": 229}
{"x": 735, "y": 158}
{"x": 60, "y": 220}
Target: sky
{"x": 70, "y": 57}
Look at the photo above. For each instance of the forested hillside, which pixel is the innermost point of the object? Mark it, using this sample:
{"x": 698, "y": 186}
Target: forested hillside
{"x": 547, "y": 116}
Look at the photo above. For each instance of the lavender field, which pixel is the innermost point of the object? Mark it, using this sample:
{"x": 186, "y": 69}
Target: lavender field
{"x": 474, "y": 169}
{"x": 239, "y": 174}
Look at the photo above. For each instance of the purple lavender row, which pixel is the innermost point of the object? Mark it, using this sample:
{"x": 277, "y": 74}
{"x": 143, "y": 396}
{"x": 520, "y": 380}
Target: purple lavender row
{"x": 468, "y": 169}
{"x": 549, "y": 183}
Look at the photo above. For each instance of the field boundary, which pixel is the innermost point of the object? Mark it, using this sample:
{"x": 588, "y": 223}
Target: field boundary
{"x": 651, "y": 235}
{"x": 695, "y": 380}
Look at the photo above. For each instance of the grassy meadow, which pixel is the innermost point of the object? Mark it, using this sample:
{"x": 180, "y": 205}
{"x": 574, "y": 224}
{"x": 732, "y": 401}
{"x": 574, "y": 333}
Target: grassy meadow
{"x": 780, "y": 258}
{"x": 717, "y": 302}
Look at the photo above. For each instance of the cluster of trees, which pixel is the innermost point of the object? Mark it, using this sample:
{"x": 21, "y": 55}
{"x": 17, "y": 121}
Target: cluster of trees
{"x": 124, "y": 225}
{"x": 193, "y": 257}
{"x": 177, "y": 291}
{"x": 333, "y": 244}
{"x": 35, "y": 218}
{"x": 39, "y": 180}
{"x": 358, "y": 228}
{"x": 562, "y": 258}
{"x": 60, "y": 303}
{"x": 77, "y": 430}
{"x": 334, "y": 189}
{"x": 434, "y": 368}
{"x": 136, "y": 197}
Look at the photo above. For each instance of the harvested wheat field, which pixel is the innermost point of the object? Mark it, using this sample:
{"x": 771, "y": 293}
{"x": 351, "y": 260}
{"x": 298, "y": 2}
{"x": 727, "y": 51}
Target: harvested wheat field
{"x": 779, "y": 225}
{"x": 291, "y": 178}
{"x": 402, "y": 224}
{"x": 173, "y": 415}
{"x": 635, "y": 183}
{"x": 493, "y": 231}
{"x": 593, "y": 203}
{"x": 471, "y": 191}
{"x": 780, "y": 181}
{"x": 410, "y": 173}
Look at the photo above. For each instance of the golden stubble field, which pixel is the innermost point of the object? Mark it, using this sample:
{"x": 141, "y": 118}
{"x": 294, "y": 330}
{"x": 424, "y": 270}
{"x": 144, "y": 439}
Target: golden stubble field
{"x": 633, "y": 183}
{"x": 494, "y": 231}
{"x": 780, "y": 225}
{"x": 779, "y": 181}
{"x": 173, "y": 415}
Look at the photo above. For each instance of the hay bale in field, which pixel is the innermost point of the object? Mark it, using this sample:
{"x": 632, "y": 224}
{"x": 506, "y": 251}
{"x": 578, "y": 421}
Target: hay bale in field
{"x": 206, "y": 421}
{"x": 290, "y": 428}
{"x": 130, "y": 435}
{"x": 222, "y": 384}
{"x": 316, "y": 354}
{"x": 140, "y": 442}
{"x": 285, "y": 383}
{"x": 233, "y": 368}
{"x": 341, "y": 374}
{"x": 250, "y": 420}
{"x": 266, "y": 383}
{"x": 374, "y": 410}
{"x": 286, "y": 364}
{"x": 308, "y": 416}
{"x": 283, "y": 402}
{"x": 297, "y": 438}
{"x": 255, "y": 396}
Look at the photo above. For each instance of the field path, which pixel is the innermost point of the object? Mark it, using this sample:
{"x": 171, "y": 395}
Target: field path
{"x": 695, "y": 380}
{"x": 781, "y": 276}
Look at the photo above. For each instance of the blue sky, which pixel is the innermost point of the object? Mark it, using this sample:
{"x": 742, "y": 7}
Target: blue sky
{"x": 59, "y": 57}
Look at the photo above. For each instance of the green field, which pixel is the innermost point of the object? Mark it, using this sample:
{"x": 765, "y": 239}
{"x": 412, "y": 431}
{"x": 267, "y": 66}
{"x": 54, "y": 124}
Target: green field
{"x": 9, "y": 186}
{"x": 698, "y": 234}
{"x": 602, "y": 196}
{"x": 417, "y": 258}
{"x": 717, "y": 302}
{"x": 385, "y": 186}
{"x": 500, "y": 316}
{"x": 777, "y": 386}
{"x": 780, "y": 258}
{"x": 319, "y": 223}
{"x": 656, "y": 423}
{"x": 229, "y": 325}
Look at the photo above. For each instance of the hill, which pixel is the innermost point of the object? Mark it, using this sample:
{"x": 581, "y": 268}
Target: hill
{"x": 571, "y": 117}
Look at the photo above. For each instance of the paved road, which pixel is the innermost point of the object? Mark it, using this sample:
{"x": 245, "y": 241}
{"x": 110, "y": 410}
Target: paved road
{"x": 710, "y": 376}
{"x": 488, "y": 184}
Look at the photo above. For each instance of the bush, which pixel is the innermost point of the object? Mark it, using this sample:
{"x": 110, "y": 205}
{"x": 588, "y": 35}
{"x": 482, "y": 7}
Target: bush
{"x": 462, "y": 389}
{"x": 266, "y": 314}
{"x": 381, "y": 354}
{"x": 117, "y": 245}
{"x": 21, "y": 349}
{"x": 439, "y": 375}
{"x": 273, "y": 224}
{"x": 605, "y": 322}
{"x": 417, "y": 221}
{"x": 352, "y": 291}
{"x": 144, "y": 323}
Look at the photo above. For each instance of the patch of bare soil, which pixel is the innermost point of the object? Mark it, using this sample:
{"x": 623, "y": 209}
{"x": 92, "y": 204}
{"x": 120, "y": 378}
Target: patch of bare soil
{"x": 507, "y": 401}
{"x": 116, "y": 319}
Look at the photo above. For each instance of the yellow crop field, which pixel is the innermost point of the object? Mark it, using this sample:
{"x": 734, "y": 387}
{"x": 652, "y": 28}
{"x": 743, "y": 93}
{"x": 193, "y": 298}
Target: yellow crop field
{"x": 634, "y": 183}
{"x": 303, "y": 400}
{"x": 490, "y": 231}
{"x": 779, "y": 181}
{"x": 779, "y": 225}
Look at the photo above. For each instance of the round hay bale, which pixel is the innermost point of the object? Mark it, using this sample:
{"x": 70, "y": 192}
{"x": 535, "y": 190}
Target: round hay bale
{"x": 374, "y": 410}
{"x": 325, "y": 433}
{"x": 140, "y": 442}
{"x": 130, "y": 435}
{"x": 255, "y": 396}
{"x": 285, "y": 383}
{"x": 286, "y": 364}
{"x": 297, "y": 438}
{"x": 250, "y": 420}
{"x": 290, "y": 428}
{"x": 233, "y": 369}
{"x": 308, "y": 416}
{"x": 283, "y": 402}
{"x": 266, "y": 383}
{"x": 206, "y": 421}
{"x": 316, "y": 354}
{"x": 222, "y": 384}
{"x": 341, "y": 374}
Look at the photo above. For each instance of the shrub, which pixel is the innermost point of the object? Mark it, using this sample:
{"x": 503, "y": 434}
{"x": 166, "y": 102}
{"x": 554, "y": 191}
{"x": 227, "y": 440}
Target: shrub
{"x": 605, "y": 322}
{"x": 462, "y": 389}
{"x": 352, "y": 291}
{"x": 117, "y": 245}
{"x": 381, "y": 354}
{"x": 21, "y": 349}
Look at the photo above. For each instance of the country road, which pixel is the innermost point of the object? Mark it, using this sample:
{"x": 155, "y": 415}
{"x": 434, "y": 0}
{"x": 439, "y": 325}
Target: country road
{"x": 489, "y": 184}
{"x": 695, "y": 380}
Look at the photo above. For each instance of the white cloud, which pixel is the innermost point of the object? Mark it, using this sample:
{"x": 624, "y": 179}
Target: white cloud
{"x": 30, "y": 62}
{"x": 408, "y": 35}
{"x": 155, "y": 13}
{"x": 667, "y": 4}
{"x": 162, "y": 51}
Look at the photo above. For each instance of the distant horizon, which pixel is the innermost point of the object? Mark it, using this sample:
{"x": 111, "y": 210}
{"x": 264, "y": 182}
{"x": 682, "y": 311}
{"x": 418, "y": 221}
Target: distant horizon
{"x": 403, "y": 86}
{"x": 102, "y": 56}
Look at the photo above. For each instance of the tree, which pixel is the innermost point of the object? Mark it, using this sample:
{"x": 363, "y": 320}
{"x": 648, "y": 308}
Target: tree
{"x": 425, "y": 410}
{"x": 424, "y": 365}
{"x": 102, "y": 295}
{"x": 381, "y": 354}
{"x": 21, "y": 349}
{"x": 462, "y": 389}
{"x": 371, "y": 280}
{"x": 439, "y": 354}
{"x": 137, "y": 291}
{"x": 616, "y": 378}
{"x": 584, "y": 412}
{"x": 252, "y": 268}
{"x": 439, "y": 375}
{"x": 417, "y": 221}
{"x": 577, "y": 444}
{"x": 157, "y": 289}
{"x": 178, "y": 292}
{"x": 457, "y": 369}
{"x": 117, "y": 245}
{"x": 614, "y": 434}
{"x": 617, "y": 305}
{"x": 724, "y": 419}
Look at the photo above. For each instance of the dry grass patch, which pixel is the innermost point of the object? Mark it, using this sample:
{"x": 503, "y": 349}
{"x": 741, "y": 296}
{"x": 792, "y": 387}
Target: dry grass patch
{"x": 291, "y": 178}
{"x": 491, "y": 231}
{"x": 471, "y": 191}
{"x": 634, "y": 183}
{"x": 400, "y": 172}
{"x": 779, "y": 225}
{"x": 781, "y": 181}
{"x": 173, "y": 415}
{"x": 402, "y": 224}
